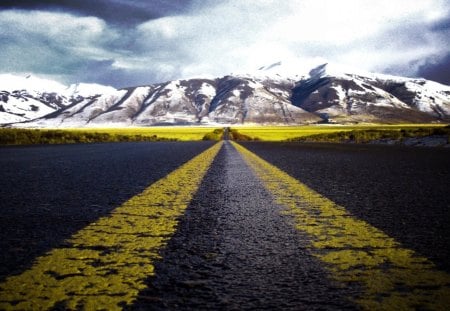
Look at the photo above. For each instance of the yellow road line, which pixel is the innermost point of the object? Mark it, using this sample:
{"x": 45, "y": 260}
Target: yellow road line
{"x": 389, "y": 276}
{"x": 107, "y": 263}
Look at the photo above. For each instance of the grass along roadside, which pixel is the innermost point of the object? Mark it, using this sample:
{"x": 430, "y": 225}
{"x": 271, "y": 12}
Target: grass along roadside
{"x": 410, "y": 136}
{"x": 16, "y": 136}
{"x": 342, "y": 133}
{"x": 216, "y": 134}
{"x": 311, "y": 133}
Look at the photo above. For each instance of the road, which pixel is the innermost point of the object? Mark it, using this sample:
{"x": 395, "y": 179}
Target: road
{"x": 50, "y": 192}
{"x": 402, "y": 191}
{"x": 338, "y": 227}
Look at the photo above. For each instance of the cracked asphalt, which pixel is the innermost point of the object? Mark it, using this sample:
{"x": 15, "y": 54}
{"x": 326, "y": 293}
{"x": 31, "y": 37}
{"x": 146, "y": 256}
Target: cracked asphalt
{"x": 404, "y": 191}
{"x": 234, "y": 248}
{"x": 50, "y": 192}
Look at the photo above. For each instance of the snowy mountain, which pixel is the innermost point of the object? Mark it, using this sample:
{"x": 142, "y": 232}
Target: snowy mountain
{"x": 272, "y": 95}
{"x": 350, "y": 97}
{"x": 28, "y": 98}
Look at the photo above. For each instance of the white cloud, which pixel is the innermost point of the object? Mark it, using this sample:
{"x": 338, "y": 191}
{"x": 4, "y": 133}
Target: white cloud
{"x": 221, "y": 37}
{"x": 62, "y": 28}
{"x": 243, "y": 35}
{"x": 50, "y": 41}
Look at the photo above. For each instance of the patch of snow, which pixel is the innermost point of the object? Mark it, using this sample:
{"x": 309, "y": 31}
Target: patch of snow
{"x": 176, "y": 91}
{"x": 88, "y": 89}
{"x": 6, "y": 117}
{"x": 436, "y": 87}
{"x": 340, "y": 93}
{"x": 84, "y": 115}
{"x": 28, "y": 108}
{"x": 9, "y": 82}
{"x": 207, "y": 90}
{"x": 430, "y": 95}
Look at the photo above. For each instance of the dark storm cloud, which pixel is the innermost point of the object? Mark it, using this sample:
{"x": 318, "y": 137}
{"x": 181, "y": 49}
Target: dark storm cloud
{"x": 107, "y": 74}
{"x": 436, "y": 69}
{"x": 113, "y": 11}
{"x": 442, "y": 25}
{"x": 421, "y": 48}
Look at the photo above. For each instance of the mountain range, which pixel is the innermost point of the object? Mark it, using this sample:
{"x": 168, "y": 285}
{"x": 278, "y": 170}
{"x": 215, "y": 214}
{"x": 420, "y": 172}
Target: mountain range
{"x": 267, "y": 96}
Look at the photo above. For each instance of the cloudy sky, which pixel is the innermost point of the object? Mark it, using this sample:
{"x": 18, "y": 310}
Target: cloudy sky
{"x": 133, "y": 42}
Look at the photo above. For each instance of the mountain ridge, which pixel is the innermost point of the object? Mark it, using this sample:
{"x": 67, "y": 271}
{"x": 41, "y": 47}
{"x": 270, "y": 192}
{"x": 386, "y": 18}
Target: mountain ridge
{"x": 267, "y": 97}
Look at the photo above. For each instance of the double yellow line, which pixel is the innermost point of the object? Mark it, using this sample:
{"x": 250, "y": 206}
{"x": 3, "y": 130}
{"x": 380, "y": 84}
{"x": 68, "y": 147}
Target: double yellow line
{"x": 389, "y": 276}
{"x": 107, "y": 262}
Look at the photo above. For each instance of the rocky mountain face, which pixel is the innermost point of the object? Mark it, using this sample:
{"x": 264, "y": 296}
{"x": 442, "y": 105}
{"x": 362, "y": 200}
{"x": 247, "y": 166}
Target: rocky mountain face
{"x": 263, "y": 98}
{"x": 29, "y": 98}
{"x": 345, "y": 98}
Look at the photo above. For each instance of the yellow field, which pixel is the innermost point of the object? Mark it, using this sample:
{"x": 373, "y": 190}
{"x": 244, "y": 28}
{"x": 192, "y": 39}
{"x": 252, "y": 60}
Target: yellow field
{"x": 17, "y": 136}
{"x": 183, "y": 133}
{"x": 279, "y": 133}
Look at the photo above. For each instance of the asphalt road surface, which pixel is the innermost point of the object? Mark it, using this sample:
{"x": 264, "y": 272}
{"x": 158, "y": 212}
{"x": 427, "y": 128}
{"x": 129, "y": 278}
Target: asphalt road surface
{"x": 403, "y": 191}
{"x": 50, "y": 192}
{"x": 244, "y": 236}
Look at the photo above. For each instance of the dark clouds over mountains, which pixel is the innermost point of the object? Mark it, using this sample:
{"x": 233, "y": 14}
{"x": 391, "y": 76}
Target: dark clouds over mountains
{"x": 130, "y": 42}
{"x": 121, "y": 12}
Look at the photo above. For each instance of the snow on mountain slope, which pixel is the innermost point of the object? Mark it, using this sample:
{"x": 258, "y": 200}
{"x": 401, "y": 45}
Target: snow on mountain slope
{"x": 427, "y": 96}
{"x": 87, "y": 89}
{"x": 255, "y": 100}
{"x": 19, "y": 106}
{"x": 177, "y": 102}
{"x": 276, "y": 94}
{"x": 81, "y": 112}
{"x": 123, "y": 110}
{"x": 32, "y": 84}
{"x": 346, "y": 97}
{"x": 28, "y": 98}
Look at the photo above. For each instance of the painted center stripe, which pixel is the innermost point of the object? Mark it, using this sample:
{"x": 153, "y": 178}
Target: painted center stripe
{"x": 389, "y": 276}
{"x": 105, "y": 265}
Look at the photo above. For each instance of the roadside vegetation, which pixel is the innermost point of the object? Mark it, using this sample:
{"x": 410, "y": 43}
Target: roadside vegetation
{"x": 377, "y": 135}
{"x": 216, "y": 134}
{"x": 235, "y": 135}
{"x": 285, "y": 133}
{"x": 315, "y": 133}
{"x": 35, "y": 136}
{"x": 343, "y": 133}
{"x": 181, "y": 133}
{"x": 15, "y": 136}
